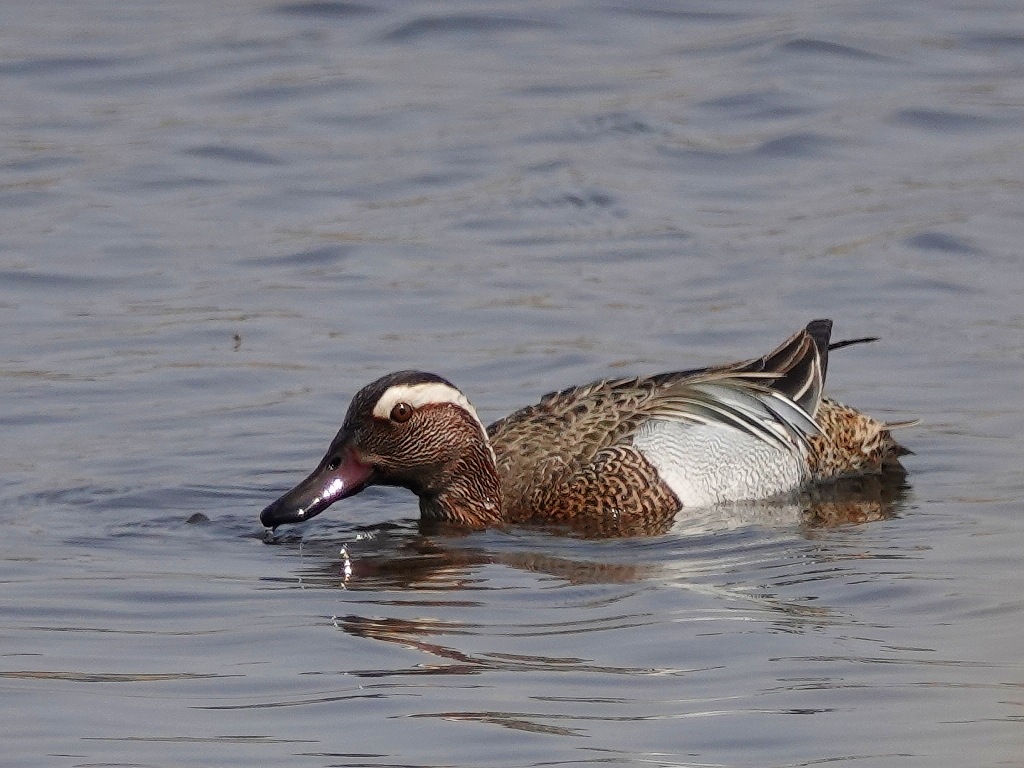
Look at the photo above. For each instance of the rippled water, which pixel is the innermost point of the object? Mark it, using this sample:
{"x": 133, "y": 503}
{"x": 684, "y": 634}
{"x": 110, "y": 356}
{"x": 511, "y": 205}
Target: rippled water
{"x": 221, "y": 219}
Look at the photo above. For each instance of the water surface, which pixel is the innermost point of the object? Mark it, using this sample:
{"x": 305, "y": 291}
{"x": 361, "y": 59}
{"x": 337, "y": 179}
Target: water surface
{"x": 222, "y": 219}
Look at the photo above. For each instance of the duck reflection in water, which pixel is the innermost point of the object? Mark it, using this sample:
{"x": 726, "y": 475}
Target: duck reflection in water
{"x": 430, "y": 556}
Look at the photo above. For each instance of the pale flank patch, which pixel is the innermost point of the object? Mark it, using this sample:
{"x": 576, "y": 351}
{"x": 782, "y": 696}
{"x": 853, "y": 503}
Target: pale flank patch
{"x": 427, "y": 393}
{"x": 708, "y": 464}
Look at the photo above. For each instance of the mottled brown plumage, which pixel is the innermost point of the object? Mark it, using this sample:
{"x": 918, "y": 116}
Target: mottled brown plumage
{"x": 851, "y": 443}
{"x": 620, "y": 455}
{"x": 548, "y": 454}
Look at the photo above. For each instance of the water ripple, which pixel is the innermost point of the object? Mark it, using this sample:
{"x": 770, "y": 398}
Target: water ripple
{"x": 484, "y": 25}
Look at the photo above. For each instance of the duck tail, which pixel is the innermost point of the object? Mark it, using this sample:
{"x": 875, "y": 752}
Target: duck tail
{"x": 850, "y": 342}
{"x": 798, "y": 365}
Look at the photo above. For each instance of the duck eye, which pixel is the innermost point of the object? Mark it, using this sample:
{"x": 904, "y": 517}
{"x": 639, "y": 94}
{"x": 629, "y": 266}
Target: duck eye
{"x": 334, "y": 463}
{"x": 401, "y": 413}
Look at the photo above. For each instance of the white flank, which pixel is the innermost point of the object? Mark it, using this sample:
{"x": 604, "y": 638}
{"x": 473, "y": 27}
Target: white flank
{"x": 428, "y": 393}
{"x": 708, "y": 464}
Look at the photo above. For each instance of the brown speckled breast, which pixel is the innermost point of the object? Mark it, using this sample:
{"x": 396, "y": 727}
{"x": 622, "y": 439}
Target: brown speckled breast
{"x": 618, "y": 492}
{"x": 539, "y": 448}
{"x": 569, "y": 461}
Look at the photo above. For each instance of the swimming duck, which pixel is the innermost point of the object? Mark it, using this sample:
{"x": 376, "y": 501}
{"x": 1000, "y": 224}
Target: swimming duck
{"x": 631, "y": 449}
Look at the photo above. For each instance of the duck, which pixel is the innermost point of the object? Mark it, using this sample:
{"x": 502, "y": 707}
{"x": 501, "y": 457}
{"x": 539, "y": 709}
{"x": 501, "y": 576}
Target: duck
{"x": 622, "y": 453}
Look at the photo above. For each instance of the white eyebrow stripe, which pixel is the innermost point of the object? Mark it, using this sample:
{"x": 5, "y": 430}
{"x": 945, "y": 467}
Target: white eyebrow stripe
{"x": 427, "y": 393}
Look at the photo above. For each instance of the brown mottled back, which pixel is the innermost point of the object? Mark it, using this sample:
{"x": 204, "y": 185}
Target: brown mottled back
{"x": 538, "y": 448}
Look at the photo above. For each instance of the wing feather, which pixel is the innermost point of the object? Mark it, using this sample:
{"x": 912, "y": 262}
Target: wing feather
{"x": 740, "y": 404}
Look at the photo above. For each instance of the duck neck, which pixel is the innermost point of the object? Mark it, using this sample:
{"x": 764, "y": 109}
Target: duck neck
{"x": 470, "y": 494}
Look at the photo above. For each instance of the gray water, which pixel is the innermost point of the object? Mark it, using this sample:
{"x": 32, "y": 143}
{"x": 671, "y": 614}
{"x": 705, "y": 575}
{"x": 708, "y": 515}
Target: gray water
{"x": 220, "y": 219}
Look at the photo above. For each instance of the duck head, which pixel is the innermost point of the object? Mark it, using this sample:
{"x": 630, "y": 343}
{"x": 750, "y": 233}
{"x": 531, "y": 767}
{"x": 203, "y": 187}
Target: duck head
{"x": 410, "y": 429}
